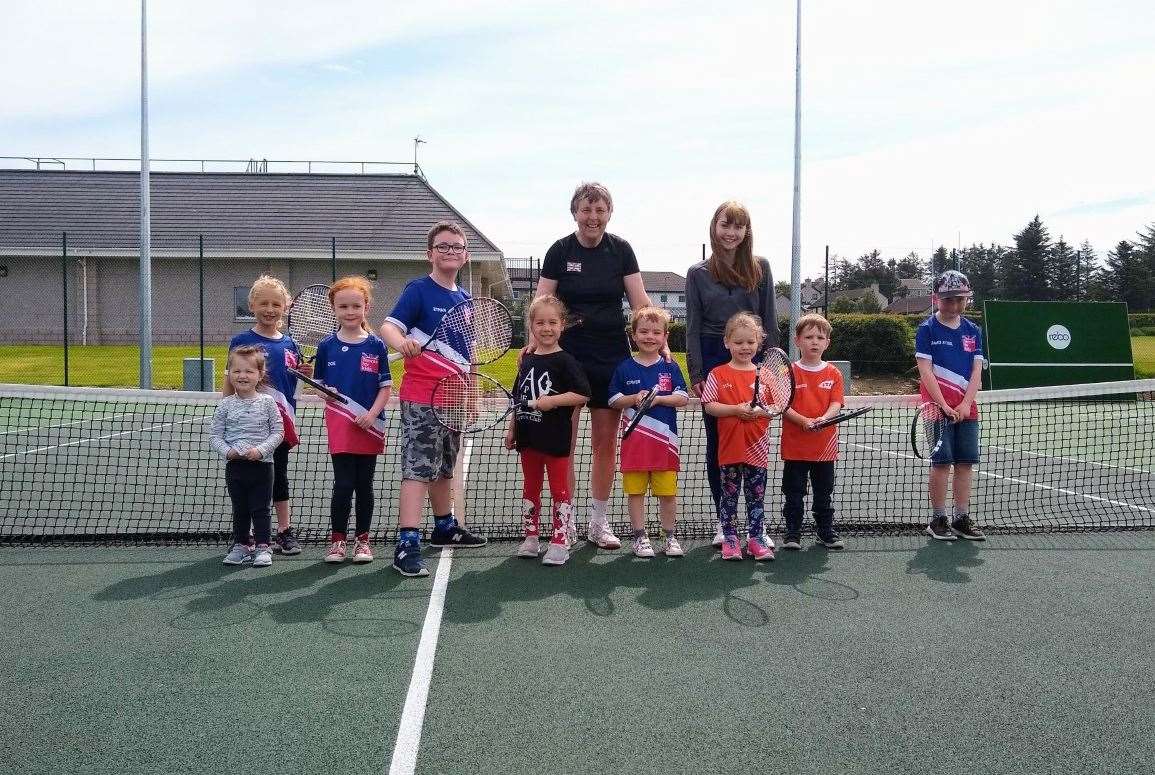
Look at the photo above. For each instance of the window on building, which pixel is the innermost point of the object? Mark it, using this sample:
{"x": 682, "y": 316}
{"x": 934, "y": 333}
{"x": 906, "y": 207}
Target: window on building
{"x": 663, "y": 298}
{"x": 682, "y": 298}
{"x": 241, "y": 301}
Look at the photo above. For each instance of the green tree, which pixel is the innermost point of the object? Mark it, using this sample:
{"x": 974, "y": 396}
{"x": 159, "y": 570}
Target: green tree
{"x": 981, "y": 266}
{"x": 1086, "y": 272}
{"x": 1125, "y": 277}
{"x": 1063, "y": 272}
{"x": 1146, "y": 248}
{"x": 1024, "y": 275}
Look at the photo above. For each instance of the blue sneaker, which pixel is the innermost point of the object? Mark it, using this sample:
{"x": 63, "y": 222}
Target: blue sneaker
{"x": 407, "y": 561}
{"x": 455, "y": 537}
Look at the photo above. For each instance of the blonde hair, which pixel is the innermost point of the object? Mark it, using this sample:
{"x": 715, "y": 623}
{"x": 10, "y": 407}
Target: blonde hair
{"x": 254, "y": 352}
{"x": 358, "y": 283}
{"x": 652, "y": 314}
{"x": 815, "y": 320}
{"x": 744, "y": 320}
{"x": 545, "y": 300}
{"x": 745, "y": 272}
{"x": 267, "y": 282}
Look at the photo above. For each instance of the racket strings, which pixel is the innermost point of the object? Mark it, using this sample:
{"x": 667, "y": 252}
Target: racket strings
{"x": 777, "y": 383}
{"x": 485, "y": 329}
{"x": 311, "y": 317}
{"x": 470, "y": 403}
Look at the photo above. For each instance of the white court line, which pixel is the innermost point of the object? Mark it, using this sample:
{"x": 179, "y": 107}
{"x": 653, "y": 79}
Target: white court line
{"x": 78, "y": 442}
{"x": 66, "y": 424}
{"x": 408, "y": 743}
{"x": 1014, "y": 451}
{"x": 1023, "y": 482}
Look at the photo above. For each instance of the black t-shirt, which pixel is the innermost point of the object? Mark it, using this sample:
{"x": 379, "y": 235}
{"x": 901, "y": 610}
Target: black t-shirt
{"x": 547, "y": 375}
{"x": 590, "y": 281}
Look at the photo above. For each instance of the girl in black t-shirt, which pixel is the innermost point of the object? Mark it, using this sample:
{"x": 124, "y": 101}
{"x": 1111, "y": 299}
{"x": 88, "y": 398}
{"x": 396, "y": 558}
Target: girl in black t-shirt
{"x": 552, "y": 383}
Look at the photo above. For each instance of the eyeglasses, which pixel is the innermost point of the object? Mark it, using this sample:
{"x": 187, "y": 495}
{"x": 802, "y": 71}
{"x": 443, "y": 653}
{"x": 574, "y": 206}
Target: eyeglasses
{"x": 445, "y": 248}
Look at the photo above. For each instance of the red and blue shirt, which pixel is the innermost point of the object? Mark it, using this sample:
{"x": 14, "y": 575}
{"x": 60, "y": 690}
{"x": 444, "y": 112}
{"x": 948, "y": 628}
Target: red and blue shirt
{"x": 357, "y": 371}
{"x": 952, "y": 353}
{"x": 281, "y": 355}
{"x": 653, "y": 446}
{"x": 417, "y": 313}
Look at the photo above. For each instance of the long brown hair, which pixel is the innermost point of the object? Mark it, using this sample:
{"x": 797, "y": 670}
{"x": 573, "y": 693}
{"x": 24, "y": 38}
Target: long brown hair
{"x": 745, "y": 272}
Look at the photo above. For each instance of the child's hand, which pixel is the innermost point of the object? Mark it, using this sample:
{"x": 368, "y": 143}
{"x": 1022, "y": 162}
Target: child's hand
{"x": 253, "y": 454}
{"x": 808, "y": 422}
{"x": 964, "y": 410}
{"x": 542, "y": 404}
{"x": 232, "y": 454}
{"x": 305, "y": 368}
{"x": 364, "y": 421}
{"x": 953, "y": 414}
{"x": 640, "y": 396}
{"x": 746, "y": 412}
{"x": 409, "y": 348}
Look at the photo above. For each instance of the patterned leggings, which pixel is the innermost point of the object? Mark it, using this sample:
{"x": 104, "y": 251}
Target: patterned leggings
{"x": 533, "y": 465}
{"x": 752, "y": 479}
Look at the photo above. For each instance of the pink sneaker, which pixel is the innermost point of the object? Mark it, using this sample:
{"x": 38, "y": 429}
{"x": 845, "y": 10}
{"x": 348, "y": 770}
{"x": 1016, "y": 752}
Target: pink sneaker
{"x": 760, "y": 549}
{"x": 731, "y": 549}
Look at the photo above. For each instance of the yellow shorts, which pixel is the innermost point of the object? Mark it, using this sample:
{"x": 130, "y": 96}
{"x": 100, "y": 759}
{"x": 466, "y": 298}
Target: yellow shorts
{"x": 660, "y": 483}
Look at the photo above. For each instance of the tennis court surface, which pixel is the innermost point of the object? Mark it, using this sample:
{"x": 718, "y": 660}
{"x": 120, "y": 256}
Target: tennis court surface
{"x": 126, "y": 647}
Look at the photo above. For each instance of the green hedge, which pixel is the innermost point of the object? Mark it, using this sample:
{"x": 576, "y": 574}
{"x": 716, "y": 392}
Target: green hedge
{"x": 874, "y": 344}
{"x": 1141, "y": 319}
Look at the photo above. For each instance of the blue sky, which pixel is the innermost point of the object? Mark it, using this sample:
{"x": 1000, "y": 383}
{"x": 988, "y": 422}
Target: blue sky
{"x": 923, "y": 124}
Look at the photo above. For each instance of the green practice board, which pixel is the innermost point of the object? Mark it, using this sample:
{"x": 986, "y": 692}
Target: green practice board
{"x": 1032, "y": 343}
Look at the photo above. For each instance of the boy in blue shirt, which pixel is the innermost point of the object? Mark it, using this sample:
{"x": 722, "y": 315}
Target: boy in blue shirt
{"x": 948, "y": 349}
{"x": 650, "y": 458}
{"x": 428, "y": 449}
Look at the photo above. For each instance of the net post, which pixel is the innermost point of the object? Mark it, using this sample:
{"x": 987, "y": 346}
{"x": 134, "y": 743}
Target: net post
{"x": 64, "y": 281}
{"x": 201, "y": 294}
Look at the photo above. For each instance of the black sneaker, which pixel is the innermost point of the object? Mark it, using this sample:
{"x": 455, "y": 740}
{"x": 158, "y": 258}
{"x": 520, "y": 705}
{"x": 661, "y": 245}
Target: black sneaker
{"x": 407, "y": 561}
{"x": 964, "y": 528}
{"x": 939, "y": 530}
{"x": 287, "y": 542}
{"x": 456, "y": 537}
{"x": 831, "y": 541}
{"x": 792, "y": 542}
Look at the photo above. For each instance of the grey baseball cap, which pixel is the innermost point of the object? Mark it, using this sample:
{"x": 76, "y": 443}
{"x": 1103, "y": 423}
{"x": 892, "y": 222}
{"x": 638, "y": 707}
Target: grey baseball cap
{"x": 952, "y": 283}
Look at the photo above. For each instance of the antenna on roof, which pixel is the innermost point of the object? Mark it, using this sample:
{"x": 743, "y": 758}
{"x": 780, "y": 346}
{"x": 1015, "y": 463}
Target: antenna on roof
{"x": 417, "y": 167}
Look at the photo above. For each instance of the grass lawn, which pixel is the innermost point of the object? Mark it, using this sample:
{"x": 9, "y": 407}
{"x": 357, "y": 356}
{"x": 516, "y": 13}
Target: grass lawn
{"x": 1143, "y": 350}
{"x": 119, "y": 366}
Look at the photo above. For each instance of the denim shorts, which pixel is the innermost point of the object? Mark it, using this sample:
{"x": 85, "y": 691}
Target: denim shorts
{"x": 960, "y": 444}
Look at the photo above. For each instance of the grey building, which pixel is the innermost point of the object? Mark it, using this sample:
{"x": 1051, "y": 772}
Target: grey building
{"x": 300, "y": 227}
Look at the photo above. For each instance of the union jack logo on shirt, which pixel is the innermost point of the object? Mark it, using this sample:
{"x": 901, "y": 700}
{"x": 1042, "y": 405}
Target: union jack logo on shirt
{"x": 573, "y": 266}
{"x": 369, "y": 363}
{"x": 970, "y": 344}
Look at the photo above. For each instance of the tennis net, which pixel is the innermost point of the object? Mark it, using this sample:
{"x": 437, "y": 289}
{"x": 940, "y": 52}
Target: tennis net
{"x": 99, "y": 465}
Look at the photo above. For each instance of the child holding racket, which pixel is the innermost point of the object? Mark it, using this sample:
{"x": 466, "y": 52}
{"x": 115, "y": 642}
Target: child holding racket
{"x": 552, "y": 384}
{"x": 649, "y": 456}
{"x": 354, "y": 362}
{"x": 246, "y": 429}
{"x": 807, "y": 452}
{"x": 428, "y": 449}
{"x": 742, "y": 456}
{"x": 268, "y": 301}
{"x": 948, "y": 349}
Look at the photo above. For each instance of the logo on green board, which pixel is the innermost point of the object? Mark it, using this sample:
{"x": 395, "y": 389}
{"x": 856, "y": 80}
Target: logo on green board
{"x": 1058, "y": 337}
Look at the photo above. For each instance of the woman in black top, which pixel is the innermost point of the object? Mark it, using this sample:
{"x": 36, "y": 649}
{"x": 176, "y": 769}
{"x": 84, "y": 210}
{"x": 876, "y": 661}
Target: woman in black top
{"x": 590, "y": 270}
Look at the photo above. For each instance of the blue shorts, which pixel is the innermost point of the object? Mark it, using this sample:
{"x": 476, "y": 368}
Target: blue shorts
{"x": 960, "y": 444}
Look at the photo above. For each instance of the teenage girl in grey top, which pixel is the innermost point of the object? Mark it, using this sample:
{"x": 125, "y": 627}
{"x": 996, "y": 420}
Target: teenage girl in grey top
{"x": 730, "y": 281}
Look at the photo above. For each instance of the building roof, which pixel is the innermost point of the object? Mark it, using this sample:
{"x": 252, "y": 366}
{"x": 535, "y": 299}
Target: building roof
{"x": 384, "y": 215}
{"x": 913, "y": 284}
{"x": 910, "y": 305}
{"x": 664, "y": 282}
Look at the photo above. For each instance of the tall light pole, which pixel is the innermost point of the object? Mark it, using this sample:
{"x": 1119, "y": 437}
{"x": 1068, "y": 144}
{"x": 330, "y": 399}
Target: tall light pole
{"x": 145, "y": 225}
{"x": 796, "y": 236}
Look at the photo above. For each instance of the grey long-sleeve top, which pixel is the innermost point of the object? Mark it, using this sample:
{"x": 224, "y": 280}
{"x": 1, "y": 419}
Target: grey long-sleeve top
{"x": 709, "y": 304}
{"x": 245, "y": 423}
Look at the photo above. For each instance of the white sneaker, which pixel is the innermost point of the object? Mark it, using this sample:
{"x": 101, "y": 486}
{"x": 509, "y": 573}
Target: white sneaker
{"x": 719, "y": 539}
{"x": 600, "y": 534}
{"x": 263, "y": 556}
{"x": 556, "y": 554}
{"x": 642, "y": 547}
{"x": 530, "y": 547}
{"x": 672, "y": 547}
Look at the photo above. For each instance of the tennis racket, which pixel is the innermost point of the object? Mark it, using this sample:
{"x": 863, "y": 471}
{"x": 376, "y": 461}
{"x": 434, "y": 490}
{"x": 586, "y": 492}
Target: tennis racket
{"x": 311, "y": 319}
{"x": 472, "y": 402}
{"x": 927, "y": 430}
{"x": 348, "y": 406}
{"x": 640, "y": 412}
{"x": 475, "y": 332}
{"x": 773, "y": 383}
{"x": 842, "y": 416}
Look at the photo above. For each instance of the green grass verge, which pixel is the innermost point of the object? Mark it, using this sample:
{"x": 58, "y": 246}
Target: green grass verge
{"x": 119, "y": 365}
{"x": 1143, "y": 350}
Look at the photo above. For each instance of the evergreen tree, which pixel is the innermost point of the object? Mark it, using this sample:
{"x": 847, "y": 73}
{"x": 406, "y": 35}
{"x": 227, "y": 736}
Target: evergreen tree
{"x": 1146, "y": 249}
{"x": 1086, "y": 272}
{"x": 910, "y": 265}
{"x": 1024, "y": 275}
{"x": 1125, "y": 277}
{"x": 978, "y": 263}
{"x": 1062, "y": 272}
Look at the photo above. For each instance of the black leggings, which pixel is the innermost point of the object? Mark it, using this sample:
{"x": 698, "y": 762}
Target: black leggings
{"x": 250, "y": 484}
{"x": 352, "y": 474}
{"x": 281, "y": 473}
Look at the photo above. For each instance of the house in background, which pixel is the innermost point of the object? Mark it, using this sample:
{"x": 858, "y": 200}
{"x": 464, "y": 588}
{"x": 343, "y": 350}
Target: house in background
{"x": 870, "y": 292}
{"x": 912, "y": 286}
{"x": 666, "y": 290}
{"x": 302, "y": 227}
{"x": 910, "y": 305}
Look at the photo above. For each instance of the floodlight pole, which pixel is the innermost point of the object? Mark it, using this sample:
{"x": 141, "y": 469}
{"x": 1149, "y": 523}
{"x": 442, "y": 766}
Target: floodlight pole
{"x": 145, "y": 226}
{"x": 796, "y": 236}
